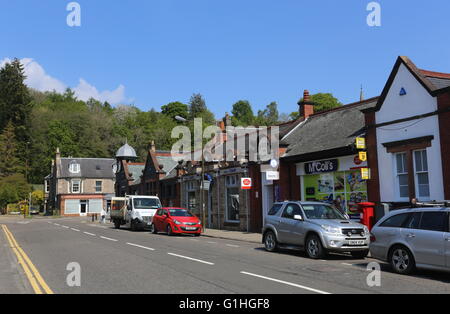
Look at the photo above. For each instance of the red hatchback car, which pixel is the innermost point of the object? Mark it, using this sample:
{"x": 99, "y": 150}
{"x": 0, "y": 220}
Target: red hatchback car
{"x": 176, "y": 221}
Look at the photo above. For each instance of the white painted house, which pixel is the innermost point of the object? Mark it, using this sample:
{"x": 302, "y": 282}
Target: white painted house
{"x": 408, "y": 143}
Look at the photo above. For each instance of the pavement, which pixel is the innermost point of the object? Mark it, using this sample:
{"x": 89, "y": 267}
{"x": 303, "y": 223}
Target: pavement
{"x": 233, "y": 235}
{"x": 122, "y": 261}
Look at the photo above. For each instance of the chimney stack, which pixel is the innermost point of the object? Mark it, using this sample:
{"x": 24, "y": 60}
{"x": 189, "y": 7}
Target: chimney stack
{"x": 306, "y": 106}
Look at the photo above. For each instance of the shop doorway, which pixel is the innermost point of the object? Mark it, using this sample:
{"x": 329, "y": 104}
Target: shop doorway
{"x": 84, "y": 208}
{"x": 267, "y": 197}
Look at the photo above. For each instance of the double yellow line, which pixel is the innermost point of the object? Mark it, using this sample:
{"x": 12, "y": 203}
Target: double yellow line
{"x": 34, "y": 277}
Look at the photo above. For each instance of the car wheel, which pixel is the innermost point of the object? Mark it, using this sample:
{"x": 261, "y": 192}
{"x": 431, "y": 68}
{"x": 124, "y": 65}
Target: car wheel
{"x": 154, "y": 230}
{"x": 116, "y": 224}
{"x": 132, "y": 225}
{"x": 198, "y": 234}
{"x": 270, "y": 242}
{"x": 169, "y": 230}
{"x": 314, "y": 247}
{"x": 402, "y": 260}
{"x": 360, "y": 254}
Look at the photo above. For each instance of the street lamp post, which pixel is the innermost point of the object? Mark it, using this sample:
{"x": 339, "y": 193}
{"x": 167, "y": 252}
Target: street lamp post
{"x": 202, "y": 179}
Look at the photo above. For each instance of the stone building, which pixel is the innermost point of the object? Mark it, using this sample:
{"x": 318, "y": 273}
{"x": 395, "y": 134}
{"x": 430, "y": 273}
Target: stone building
{"x": 79, "y": 186}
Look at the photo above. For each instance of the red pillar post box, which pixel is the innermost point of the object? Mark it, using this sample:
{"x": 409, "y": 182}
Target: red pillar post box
{"x": 367, "y": 214}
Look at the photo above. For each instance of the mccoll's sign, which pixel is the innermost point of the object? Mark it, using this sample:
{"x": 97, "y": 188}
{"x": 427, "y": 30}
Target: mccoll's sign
{"x": 322, "y": 166}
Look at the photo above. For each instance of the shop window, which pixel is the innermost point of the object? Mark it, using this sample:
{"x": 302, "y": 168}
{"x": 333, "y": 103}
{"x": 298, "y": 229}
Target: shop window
{"x": 191, "y": 196}
{"x": 402, "y": 175}
{"x": 232, "y": 198}
{"x": 421, "y": 176}
{"x": 343, "y": 189}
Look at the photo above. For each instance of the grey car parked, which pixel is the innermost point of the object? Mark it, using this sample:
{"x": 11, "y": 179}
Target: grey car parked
{"x": 317, "y": 228}
{"x": 413, "y": 238}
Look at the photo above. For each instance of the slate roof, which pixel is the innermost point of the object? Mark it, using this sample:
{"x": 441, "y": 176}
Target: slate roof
{"x": 91, "y": 168}
{"x": 135, "y": 170}
{"x": 167, "y": 162}
{"x": 329, "y": 130}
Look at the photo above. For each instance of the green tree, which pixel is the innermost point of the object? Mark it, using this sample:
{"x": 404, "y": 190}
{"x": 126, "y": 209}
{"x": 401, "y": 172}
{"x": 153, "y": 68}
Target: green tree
{"x": 268, "y": 116}
{"x": 242, "y": 113}
{"x": 197, "y": 105}
{"x": 324, "y": 101}
{"x": 9, "y": 161}
{"x": 15, "y": 99}
{"x": 13, "y": 189}
{"x": 174, "y": 109}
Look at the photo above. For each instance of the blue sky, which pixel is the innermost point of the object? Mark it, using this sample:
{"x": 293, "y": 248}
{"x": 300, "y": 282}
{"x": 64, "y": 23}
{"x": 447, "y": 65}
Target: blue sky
{"x": 152, "y": 52}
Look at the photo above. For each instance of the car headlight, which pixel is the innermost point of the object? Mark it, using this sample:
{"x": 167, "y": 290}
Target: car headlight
{"x": 177, "y": 222}
{"x": 331, "y": 229}
{"x": 366, "y": 230}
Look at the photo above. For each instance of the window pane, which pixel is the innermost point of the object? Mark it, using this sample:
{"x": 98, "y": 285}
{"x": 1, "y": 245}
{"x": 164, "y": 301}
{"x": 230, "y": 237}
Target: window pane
{"x": 274, "y": 210}
{"x": 434, "y": 221}
{"x": 425, "y": 160}
{"x": 395, "y": 221}
{"x": 414, "y": 221}
{"x": 233, "y": 204}
{"x": 424, "y": 190}
{"x": 400, "y": 163}
{"x": 418, "y": 158}
{"x": 422, "y": 178}
{"x": 403, "y": 179}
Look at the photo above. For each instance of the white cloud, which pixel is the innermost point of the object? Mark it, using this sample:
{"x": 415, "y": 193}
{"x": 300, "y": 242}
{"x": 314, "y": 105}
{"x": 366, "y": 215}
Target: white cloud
{"x": 38, "y": 79}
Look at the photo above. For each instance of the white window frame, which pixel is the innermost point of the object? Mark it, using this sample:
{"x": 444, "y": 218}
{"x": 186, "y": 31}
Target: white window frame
{"x": 397, "y": 176}
{"x": 80, "y": 184}
{"x": 74, "y": 167}
{"x": 101, "y": 186}
{"x": 416, "y": 176}
{"x": 231, "y": 181}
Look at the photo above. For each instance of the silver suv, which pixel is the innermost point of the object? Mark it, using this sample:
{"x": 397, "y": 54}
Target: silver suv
{"x": 413, "y": 238}
{"x": 318, "y": 228}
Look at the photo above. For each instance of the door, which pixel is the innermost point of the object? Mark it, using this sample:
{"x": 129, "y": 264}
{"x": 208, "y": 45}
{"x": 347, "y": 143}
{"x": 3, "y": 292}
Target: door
{"x": 83, "y": 208}
{"x": 290, "y": 230}
{"x": 157, "y": 219}
{"x": 428, "y": 242}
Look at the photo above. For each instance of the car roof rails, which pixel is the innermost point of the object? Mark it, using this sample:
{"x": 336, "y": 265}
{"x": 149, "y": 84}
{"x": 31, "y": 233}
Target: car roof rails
{"x": 432, "y": 204}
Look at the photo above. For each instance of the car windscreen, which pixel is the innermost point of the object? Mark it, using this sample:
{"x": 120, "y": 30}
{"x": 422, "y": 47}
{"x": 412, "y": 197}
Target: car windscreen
{"x": 322, "y": 211}
{"x": 146, "y": 203}
{"x": 180, "y": 213}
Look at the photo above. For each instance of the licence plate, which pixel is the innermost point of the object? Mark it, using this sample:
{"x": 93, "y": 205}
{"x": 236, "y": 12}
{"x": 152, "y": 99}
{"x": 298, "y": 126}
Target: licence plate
{"x": 357, "y": 242}
{"x": 191, "y": 228}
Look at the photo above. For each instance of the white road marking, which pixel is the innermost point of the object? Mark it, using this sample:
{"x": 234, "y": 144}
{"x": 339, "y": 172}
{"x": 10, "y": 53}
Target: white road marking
{"x": 286, "y": 283}
{"x": 65, "y": 227}
{"x": 109, "y": 239}
{"x": 75, "y": 229}
{"x": 232, "y": 245}
{"x": 140, "y": 246}
{"x": 347, "y": 264}
{"x": 57, "y": 224}
{"x": 194, "y": 240}
{"x": 191, "y": 259}
{"x": 91, "y": 234}
{"x": 212, "y": 242}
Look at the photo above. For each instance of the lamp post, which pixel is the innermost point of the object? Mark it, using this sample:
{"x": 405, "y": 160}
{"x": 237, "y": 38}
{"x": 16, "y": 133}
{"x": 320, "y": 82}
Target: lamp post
{"x": 202, "y": 180}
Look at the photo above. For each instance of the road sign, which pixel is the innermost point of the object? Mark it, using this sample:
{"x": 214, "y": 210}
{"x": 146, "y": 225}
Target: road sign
{"x": 246, "y": 183}
{"x": 360, "y": 143}
{"x": 363, "y": 156}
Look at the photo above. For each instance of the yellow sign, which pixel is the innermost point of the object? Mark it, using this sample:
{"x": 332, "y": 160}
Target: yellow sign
{"x": 365, "y": 173}
{"x": 360, "y": 143}
{"x": 363, "y": 156}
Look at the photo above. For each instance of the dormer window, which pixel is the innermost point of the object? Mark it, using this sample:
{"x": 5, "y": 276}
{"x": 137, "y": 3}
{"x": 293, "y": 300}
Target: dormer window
{"x": 74, "y": 167}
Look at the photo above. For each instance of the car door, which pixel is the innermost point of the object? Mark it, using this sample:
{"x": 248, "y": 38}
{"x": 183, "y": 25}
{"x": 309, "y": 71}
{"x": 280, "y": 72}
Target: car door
{"x": 428, "y": 241}
{"x": 157, "y": 219}
{"x": 290, "y": 230}
{"x": 447, "y": 243}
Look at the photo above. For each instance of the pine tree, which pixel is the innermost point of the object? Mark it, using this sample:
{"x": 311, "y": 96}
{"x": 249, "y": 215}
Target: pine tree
{"x": 9, "y": 161}
{"x": 15, "y": 99}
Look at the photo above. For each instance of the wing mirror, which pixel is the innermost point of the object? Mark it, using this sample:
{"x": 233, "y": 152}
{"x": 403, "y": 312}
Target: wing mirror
{"x": 298, "y": 217}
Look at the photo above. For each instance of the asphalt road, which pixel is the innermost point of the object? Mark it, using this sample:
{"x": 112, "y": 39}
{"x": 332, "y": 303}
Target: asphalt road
{"x": 121, "y": 261}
